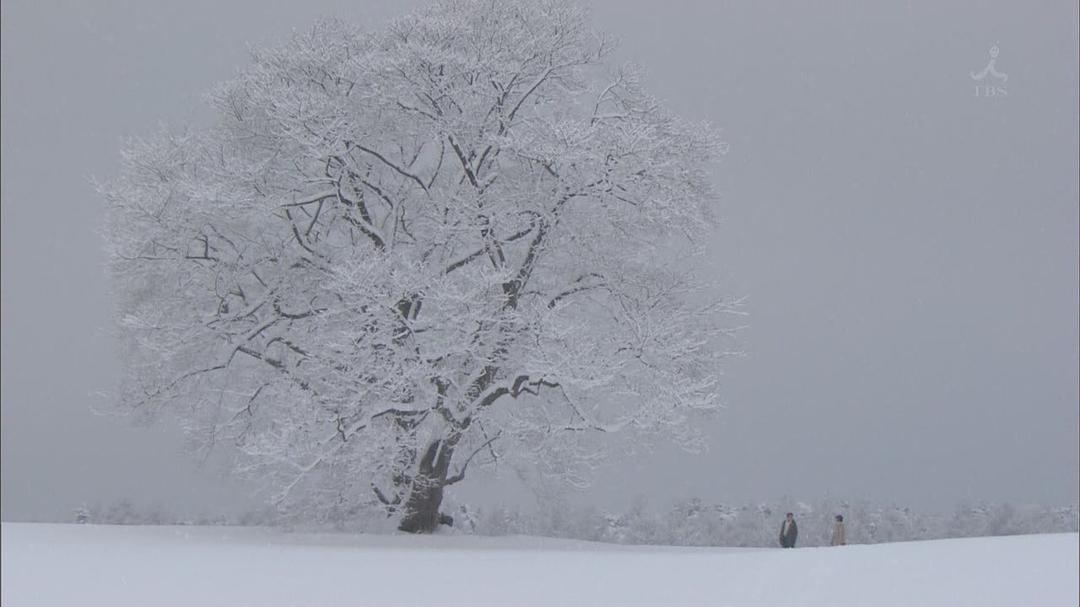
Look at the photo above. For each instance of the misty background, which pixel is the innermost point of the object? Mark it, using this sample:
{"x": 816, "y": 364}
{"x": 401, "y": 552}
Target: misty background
{"x": 908, "y": 249}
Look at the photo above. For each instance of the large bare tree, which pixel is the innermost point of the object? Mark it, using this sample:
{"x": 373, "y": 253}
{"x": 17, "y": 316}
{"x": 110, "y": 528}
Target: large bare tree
{"x": 395, "y": 253}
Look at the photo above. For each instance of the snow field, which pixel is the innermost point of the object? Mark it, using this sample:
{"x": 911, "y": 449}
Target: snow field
{"x": 49, "y": 564}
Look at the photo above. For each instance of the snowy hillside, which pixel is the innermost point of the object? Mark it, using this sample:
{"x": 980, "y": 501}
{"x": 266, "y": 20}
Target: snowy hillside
{"x": 106, "y": 565}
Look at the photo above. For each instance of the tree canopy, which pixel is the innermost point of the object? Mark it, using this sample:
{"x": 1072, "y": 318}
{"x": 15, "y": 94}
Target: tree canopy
{"x": 462, "y": 238}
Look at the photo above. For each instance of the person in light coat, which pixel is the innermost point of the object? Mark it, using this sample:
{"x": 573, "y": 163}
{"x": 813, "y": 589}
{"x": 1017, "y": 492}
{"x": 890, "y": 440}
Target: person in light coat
{"x": 789, "y": 532}
{"x": 838, "y": 538}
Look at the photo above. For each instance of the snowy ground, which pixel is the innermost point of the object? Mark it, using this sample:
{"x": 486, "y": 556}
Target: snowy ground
{"x": 100, "y": 565}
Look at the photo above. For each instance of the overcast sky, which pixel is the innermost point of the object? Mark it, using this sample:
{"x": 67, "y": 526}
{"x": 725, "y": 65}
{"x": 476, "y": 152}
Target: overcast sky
{"x": 907, "y": 248}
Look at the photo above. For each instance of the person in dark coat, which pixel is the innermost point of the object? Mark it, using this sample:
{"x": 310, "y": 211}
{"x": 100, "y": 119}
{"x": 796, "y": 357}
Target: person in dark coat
{"x": 789, "y": 532}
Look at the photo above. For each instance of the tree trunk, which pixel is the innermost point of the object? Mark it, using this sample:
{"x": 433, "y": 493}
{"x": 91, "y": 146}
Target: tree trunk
{"x": 421, "y": 514}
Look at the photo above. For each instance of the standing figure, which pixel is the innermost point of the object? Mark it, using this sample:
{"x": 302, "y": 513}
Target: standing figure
{"x": 838, "y": 538}
{"x": 789, "y": 532}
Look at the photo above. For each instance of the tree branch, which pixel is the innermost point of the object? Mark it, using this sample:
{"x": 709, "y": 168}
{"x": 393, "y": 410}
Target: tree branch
{"x": 461, "y": 473}
{"x": 382, "y": 158}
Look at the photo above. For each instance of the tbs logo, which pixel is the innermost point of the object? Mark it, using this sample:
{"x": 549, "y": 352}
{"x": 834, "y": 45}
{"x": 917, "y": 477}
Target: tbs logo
{"x": 991, "y": 90}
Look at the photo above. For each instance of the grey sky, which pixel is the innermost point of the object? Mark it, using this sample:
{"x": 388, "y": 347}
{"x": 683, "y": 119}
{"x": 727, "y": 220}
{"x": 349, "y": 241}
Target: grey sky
{"x": 909, "y": 250}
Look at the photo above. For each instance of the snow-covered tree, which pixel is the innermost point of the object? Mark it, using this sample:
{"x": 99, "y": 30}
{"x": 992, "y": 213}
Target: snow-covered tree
{"x": 464, "y": 237}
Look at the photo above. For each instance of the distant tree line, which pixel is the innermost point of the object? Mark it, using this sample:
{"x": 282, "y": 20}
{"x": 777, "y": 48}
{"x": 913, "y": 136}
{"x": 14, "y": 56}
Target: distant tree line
{"x": 691, "y": 522}
{"x": 124, "y": 511}
{"x": 694, "y": 522}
